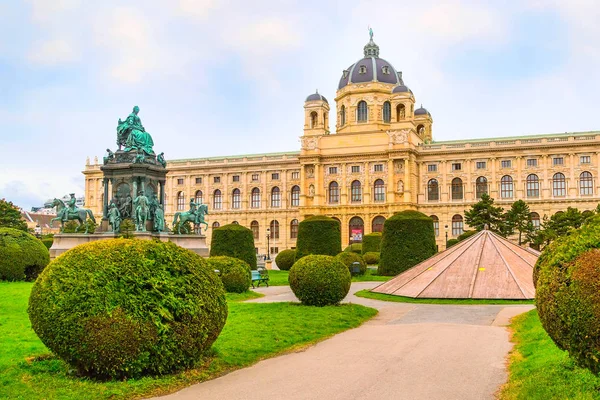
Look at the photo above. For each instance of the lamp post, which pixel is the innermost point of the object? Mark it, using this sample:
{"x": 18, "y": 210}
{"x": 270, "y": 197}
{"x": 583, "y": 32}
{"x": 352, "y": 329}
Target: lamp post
{"x": 38, "y": 230}
{"x": 446, "y": 229}
{"x": 268, "y": 249}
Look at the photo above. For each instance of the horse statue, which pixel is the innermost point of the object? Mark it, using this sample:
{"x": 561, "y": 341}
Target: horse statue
{"x": 63, "y": 213}
{"x": 196, "y": 218}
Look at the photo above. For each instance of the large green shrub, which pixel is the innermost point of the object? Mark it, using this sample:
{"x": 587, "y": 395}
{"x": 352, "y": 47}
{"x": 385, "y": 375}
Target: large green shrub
{"x": 319, "y": 280}
{"x": 22, "y": 255}
{"x": 408, "y": 238}
{"x": 371, "y": 258}
{"x": 466, "y": 235}
{"x": 48, "y": 242}
{"x": 354, "y": 248}
{"x": 234, "y": 273}
{"x": 318, "y": 235}
{"x": 451, "y": 242}
{"x": 568, "y": 293}
{"x": 285, "y": 259}
{"x": 348, "y": 258}
{"x": 125, "y": 308}
{"x": 371, "y": 243}
{"x": 234, "y": 240}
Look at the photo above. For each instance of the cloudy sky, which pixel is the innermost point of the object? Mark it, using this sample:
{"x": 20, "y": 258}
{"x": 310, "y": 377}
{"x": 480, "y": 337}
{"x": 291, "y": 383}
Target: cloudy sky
{"x": 219, "y": 77}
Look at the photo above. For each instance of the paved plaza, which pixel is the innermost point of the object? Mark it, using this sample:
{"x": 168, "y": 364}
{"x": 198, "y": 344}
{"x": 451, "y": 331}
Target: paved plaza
{"x": 408, "y": 351}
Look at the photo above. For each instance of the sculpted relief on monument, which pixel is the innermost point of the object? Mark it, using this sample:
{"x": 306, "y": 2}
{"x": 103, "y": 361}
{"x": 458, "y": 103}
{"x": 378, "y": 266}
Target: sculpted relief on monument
{"x": 398, "y": 137}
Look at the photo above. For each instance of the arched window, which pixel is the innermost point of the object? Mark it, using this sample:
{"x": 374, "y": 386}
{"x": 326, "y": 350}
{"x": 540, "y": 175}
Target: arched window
{"x": 294, "y": 229}
{"x": 377, "y": 224}
{"x": 215, "y": 225}
{"x": 274, "y": 226}
{"x": 535, "y": 220}
{"x": 532, "y": 184}
{"x": 457, "y": 225}
{"x": 387, "y": 112}
{"x": 481, "y": 186}
{"x": 362, "y": 111}
{"x": 433, "y": 190}
{"x": 506, "y": 187}
{"x": 275, "y": 197}
{"x": 457, "y": 189}
{"x": 400, "y": 112}
{"x": 236, "y": 199}
{"x": 343, "y": 116}
{"x": 295, "y": 196}
{"x": 379, "y": 190}
{"x": 355, "y": 192}
{"x": 198, "y": 196}
{"x": 180, "y": 201}
{"x": 586, "y": 184}
{"x": 334, "y": 193}
{"x": 254, "y": 229}
{"x": 217, "y": 200}
{"x": 313, "y": 119}
{"x": 255, "y": 198}
{"x": 559, "y": 185}
{"x": 436, "y": 224}
{"x": 357, "y": 229}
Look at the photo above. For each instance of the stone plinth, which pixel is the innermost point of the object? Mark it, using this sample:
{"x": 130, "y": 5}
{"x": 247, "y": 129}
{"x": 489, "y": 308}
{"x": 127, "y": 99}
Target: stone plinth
{"x": 66, "y": 241}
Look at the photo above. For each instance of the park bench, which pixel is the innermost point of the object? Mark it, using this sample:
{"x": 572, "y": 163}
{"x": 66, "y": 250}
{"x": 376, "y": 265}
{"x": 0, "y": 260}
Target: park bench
{"x": 259, "y": 276}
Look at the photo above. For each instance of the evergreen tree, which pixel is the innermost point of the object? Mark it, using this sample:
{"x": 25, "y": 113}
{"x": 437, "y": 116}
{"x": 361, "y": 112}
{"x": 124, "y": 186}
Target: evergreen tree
{"x": 519, "y": 218}
{"x": 562, "y": 222}
{"x": 10, "y": 216}
{"x": 485, "y": 213}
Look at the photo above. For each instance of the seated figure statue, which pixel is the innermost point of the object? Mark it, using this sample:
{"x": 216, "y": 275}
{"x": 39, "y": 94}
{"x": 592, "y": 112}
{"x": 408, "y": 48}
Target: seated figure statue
{"x": 132, "y": 135}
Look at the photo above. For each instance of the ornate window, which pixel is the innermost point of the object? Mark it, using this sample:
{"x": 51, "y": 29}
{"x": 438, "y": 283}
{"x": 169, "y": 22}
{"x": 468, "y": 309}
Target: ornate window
{"x": 180, "y": 201}
{"x": 274, "y": 225}
{"x": 362, "y": 111}
{"x": 355, "y": 192}
{"x": 216, "y": 225}
{"x": 255, "y": 198}
{"x": 377, "y": 224}
{"x": 400, "y": 112}
{"x": 506, "y": 187}
{"x": 457, "y": 225}
{"x": 294, "y": 229}
{"x": 362, "y": 69}
{"x": 379, "y": 190}
{"x": 457, "y": 189}
{"x": 586, "y": 184}
{"x": 334, "y": 193}
{"x": 217, "y": 200}
{"x": 295, "y": 196}
{"x": 387, "y": 112}
{"x": 313, "y": 120}
{"x": 198, "y": 196}
{"x": 343, "y": 115}
{"x": 275, "y": 197}
{"x": 535, "y": 220}
{"x": 236, "y": 199}
{"x": 433, "y": 190}
{"x": 559, "y": 185}
{"x": 532, "y": 185}
{"x": 255, "y": 229}
{"x": 481, "y": 186}
{"x": 436, "y": 224}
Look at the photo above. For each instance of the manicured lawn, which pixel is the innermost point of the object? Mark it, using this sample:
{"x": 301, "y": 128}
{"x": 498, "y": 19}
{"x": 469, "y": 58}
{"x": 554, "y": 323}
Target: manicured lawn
{"x": 247, "y": 295}
{"x": 371, "y": 276}
{"x": 252, "y": 332}
{"x": 280, "y": 278}
{"x": 401, "y": 299}
{"x": 540, "y": 370}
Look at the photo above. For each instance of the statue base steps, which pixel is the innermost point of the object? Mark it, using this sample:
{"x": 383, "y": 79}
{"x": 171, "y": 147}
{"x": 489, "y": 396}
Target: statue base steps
{"x": 66, "y": 241}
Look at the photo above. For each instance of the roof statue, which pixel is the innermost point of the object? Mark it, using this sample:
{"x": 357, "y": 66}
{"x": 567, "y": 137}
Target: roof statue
{"x": 484, "y": 266}
{"x": 371, "y": 33}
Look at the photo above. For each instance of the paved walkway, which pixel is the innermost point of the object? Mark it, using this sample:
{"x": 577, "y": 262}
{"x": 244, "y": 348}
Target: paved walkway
{"x": 408, "y": 351}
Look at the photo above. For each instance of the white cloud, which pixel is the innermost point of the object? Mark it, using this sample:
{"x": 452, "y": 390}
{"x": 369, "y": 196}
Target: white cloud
{"x": 45, "y": 11}
{"x": 53, "y": 52}
{"x": 200, "y": 9}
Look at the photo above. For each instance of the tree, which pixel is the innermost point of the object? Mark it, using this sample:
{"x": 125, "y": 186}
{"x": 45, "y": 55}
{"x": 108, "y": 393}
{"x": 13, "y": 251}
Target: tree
{"x": 519, "y": 218}
{"x": 562, "y": 222}
{"x": 485, "y": 213}
{"x": 10, "y": 216}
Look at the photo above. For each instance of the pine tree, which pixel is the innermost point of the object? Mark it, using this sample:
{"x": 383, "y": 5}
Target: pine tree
{"x": 10, "y": 216}
{"x": 485, "y": 213}
{"x": 519, "y": 218}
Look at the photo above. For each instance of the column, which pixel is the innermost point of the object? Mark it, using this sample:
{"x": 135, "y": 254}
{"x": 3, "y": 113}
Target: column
{"x": 105, "y": 205}
{"x": 162, "y": 193}
{"x": 408, "y": 189}
{"x": 391, "y": 184}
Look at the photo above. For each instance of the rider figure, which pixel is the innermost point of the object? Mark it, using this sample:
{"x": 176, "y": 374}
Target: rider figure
{"x": 193, "y": 208}
{"x": 71, "y": 206}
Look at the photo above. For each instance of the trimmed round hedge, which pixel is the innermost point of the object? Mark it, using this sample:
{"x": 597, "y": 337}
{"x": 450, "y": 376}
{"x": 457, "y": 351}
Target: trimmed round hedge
{"x": 354, "y": 248}
{"x": 451, "y": 242}
{"x": 124, "y": 308}
{"x": 22, "y": 255}
{"x": 466, "y": 235}
{"x": 348, "y": 257}
{"x": 408, "y": 238}
{"x": 285, "y": 259}
{"x": 319, "y": 280}
{"x": 371, "y": 243}
{"x": 371, "y": 258}
{"x": 234, "y": 240}
{"x": 568, "y": 293}
{"x": 234, "y": 273}
{"x": 318, "y": 235}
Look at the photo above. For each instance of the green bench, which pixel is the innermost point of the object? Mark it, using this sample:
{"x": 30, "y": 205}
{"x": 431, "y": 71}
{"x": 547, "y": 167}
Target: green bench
{"x": 259, "y": 276}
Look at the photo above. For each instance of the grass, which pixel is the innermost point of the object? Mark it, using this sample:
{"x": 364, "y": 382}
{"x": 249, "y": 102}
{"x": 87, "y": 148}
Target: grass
{"x": 371, "y": 276}
{"x": 401, "y": 299}
{"x": 280, "y": 278}
{"x": 540, "y": 370}
{"x": 247, "y": 295}
{"x": 253, "y": 332}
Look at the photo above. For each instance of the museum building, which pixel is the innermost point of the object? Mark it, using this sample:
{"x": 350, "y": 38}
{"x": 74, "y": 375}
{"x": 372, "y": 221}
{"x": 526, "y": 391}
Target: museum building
{"x": 380, "y": 160}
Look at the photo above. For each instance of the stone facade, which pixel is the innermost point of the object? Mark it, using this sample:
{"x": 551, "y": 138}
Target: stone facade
{"x": 381, "y": 160}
